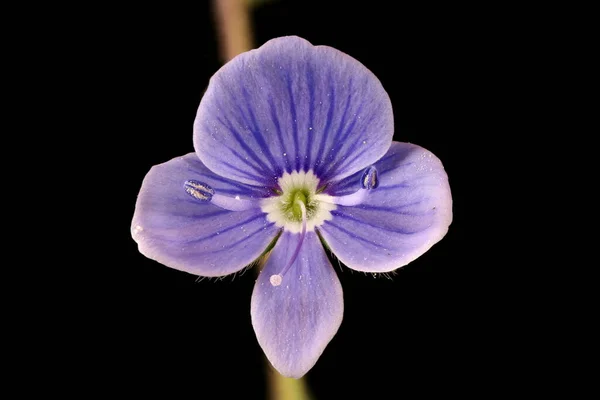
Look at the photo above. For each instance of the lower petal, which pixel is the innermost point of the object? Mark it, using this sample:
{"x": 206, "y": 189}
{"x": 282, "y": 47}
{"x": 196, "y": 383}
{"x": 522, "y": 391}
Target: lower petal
{"x": 295, "y": 321}
{"x": 408, "y": 213}
{"x": 181, "y": 232}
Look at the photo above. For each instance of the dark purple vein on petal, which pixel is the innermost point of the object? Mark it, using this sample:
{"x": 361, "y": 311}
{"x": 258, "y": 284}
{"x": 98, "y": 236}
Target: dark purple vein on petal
{"x": 233, "y": 244}
{"x": 247, "y": 174}
{"x": 351, "y": 234}
{"x": 339, "y": 129}
{"x": 264, "y": 168}
{"x": 294, "y": 120}
{"x": 407, "y": 184}
{"x": 233, "y": 151}
{"x": 229, "y": 228}
{"x": 325, "y": 133}
{"x": 260, "y": 140}
{"x": 343, "y": 161}
{"x": 391, "y": 209}
{"x": 243, "y": 159}
{"x": 311, "y": 100}
{"x": 199, "y": 216}
{"x": 275, "y": 119}
{"x": 242, "y": 186}
{"x": 363, "y": 222}
{"x": 238, "y": 137}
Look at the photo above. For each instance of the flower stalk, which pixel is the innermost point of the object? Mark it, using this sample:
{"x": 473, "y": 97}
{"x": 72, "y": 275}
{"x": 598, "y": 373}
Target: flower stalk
{"x": 232, "y": 18}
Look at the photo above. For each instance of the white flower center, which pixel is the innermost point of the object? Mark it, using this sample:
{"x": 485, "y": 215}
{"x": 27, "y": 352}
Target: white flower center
{"x": 296, "y": 187}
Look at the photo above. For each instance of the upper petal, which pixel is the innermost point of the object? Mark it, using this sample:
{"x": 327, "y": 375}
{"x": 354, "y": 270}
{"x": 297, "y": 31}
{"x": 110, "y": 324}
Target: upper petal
{"x": 295, "y": 321}
{"x": 292, "y": 106}
{"x": 181, "y": 232}
{"x": 408, "y": 213}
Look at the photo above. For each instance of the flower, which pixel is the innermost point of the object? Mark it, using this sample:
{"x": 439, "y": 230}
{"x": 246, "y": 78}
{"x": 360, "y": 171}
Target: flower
{"x": 293, "y": 150}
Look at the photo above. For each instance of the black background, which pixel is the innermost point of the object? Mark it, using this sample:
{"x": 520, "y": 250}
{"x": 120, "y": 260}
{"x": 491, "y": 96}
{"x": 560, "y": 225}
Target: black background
{"x": 427, "y": 329}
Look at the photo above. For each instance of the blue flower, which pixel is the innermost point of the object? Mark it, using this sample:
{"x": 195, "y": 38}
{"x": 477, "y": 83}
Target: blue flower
{"x": 293, "y": 149}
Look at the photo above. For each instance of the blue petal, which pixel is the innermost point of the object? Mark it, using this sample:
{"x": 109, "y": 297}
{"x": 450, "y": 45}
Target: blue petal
{"x": 400, "y": 220}
{"x": 292, "y": 106}
{"x": 295, "y": 321}
{"x": 181, "y": 232}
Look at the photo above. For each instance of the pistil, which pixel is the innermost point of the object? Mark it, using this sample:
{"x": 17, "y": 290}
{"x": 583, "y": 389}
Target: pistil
{"x": 278, "y": 278}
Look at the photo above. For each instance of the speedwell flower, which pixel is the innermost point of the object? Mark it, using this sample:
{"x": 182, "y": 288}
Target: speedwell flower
{"x": 293, "y": 150}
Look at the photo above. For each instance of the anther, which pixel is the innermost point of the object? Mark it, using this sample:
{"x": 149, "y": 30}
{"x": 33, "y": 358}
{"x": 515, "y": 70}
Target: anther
{"x": 199, "y": 190}
{"x": 369, "y": 178}
{"x": 203, "y": 192}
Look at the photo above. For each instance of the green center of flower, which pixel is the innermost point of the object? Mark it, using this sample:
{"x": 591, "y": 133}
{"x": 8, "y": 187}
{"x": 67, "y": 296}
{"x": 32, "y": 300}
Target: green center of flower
{"x": 297, "y": 190}
{"x": 290, "y": 204}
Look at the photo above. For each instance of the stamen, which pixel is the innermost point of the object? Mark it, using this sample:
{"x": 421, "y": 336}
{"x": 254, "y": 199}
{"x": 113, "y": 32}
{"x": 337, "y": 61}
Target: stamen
{"x": 278, "y": 278}
{"x": 203, "y": 192}
{"x": 369, "y": 179}
{"x": 368, "y": 182}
